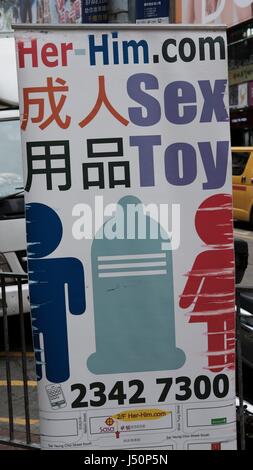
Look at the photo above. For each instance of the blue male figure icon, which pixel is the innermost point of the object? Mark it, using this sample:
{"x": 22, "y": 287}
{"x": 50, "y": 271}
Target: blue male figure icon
{"x": 47, "y": 280}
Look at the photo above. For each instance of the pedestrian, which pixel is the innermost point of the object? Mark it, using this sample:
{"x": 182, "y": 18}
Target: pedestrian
{"x": 26, "y": 11}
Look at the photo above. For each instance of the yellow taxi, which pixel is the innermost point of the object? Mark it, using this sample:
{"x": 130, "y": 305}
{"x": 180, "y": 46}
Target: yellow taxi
{"x": 242, "y": 159}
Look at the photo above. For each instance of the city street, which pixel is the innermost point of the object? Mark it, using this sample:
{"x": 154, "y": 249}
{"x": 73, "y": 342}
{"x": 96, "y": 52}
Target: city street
{"x": 241, "y": 231}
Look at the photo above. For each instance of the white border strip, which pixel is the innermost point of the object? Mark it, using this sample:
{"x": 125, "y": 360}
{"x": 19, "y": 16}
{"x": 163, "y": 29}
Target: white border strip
{"x": 132, "y": 257}
{"x": 132, "y": 265}
{"x": 134, "y": 274}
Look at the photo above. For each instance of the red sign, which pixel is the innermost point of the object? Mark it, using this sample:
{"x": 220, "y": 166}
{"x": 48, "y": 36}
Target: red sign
{"x": 216, "y": 446}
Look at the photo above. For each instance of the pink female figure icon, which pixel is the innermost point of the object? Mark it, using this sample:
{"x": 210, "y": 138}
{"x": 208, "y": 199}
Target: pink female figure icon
{"x": 210, "y": 287}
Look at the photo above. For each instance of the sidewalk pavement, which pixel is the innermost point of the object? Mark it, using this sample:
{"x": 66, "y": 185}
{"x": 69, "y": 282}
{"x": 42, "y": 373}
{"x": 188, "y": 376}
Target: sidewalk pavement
{"x": 9, "y": 447}
{"x": 20, "y": 441}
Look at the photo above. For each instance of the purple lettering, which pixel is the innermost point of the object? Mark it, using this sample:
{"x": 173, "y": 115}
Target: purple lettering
{"x": 178, "y": 101}
{"x": 213, "y": 101}
{"x": 146, "y": 146}
{"x": 150, "y": 112}
{"x": 180, "y": 164}
{"x": 215, "y": 169}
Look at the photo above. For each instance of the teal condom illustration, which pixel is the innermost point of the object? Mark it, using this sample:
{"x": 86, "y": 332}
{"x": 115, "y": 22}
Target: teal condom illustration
{"x": 133, "y": 298}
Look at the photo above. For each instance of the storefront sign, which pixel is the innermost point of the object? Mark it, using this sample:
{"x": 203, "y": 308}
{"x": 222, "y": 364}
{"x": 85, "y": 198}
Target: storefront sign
{"x": 126, "y": 151}
{"x": 241, "y": 74}
{"x": 95, "y": 11}
{"x": 152, "y": 11}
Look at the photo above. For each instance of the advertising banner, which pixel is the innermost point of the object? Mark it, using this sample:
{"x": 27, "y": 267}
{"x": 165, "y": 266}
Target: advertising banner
{"x": 229, "y": 12}
{"x": 16, "y": 11}
{"x": 59, "y": 11}
{"x": 152, "y": 12}
{"x": 127, "y": 164}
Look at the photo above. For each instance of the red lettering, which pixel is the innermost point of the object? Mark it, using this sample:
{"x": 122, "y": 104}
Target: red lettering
{"x": 49, "y": 50}
{"x": 33, "y": 51}
{"x": 65, "y": 47}
{"x": 50, "y": 54}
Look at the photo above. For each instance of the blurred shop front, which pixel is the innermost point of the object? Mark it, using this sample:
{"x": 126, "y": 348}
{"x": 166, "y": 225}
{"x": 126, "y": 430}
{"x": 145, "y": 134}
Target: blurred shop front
{"x": 240, "y": 53}
{"x": 238, "y": 16}
{"x": 83, "y": 11}
{"x": 51, "y": 12}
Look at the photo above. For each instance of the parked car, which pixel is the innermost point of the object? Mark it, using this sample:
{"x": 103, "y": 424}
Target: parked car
{"x": 242, "y": 158}
{"x": 246, "y": 302}
{"x": 12, "y": 214}
{"x": 13, "y": 257}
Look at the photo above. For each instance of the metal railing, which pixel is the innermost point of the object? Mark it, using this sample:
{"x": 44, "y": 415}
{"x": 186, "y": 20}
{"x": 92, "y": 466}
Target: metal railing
{"x": 240, "y": 371}
{"x": 17, "y": 280}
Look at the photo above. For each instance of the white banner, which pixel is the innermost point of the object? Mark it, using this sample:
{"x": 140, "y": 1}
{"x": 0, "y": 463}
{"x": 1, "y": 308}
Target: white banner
{"x": 126, "y": 150}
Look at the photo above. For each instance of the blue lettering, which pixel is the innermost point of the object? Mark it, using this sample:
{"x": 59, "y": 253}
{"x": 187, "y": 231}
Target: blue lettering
{"x": 102, "y": 49}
